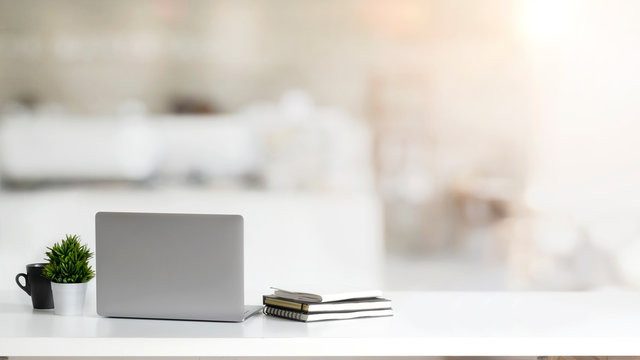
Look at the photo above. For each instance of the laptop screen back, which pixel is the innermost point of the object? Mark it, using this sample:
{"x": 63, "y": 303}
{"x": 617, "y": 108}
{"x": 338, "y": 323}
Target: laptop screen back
{"x": 170, "y": 266}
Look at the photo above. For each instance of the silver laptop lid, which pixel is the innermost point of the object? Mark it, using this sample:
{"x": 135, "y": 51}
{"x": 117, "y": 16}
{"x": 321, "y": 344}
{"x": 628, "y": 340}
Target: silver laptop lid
{"x": 170, "y": 266}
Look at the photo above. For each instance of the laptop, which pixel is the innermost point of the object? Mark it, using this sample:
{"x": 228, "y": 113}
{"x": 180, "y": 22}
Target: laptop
{"x": 171, "y": 266}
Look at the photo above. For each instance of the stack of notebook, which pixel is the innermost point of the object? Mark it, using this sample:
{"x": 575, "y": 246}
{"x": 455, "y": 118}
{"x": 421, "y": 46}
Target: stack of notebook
{"x": 307, "y": 306}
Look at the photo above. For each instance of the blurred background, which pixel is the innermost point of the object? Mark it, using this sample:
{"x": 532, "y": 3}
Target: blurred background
{"x": 410, "y": 145}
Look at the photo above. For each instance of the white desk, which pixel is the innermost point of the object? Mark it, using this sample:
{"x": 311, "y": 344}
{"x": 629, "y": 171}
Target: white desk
{"x": 426, "y": 324}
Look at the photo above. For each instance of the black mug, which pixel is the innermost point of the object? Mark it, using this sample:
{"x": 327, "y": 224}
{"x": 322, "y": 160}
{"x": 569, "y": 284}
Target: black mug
{"x": 36, "y": 285}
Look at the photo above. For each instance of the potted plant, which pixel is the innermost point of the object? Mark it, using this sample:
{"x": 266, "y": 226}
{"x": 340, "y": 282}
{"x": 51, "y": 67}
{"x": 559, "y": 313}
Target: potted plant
{"x": 69, "y": 272}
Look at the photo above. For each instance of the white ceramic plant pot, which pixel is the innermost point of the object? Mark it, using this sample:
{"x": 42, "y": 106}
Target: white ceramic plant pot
{"x": 68, "y": 299}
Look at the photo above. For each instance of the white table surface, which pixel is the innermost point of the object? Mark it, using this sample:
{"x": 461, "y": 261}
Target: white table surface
{"x": 425, "y": 324}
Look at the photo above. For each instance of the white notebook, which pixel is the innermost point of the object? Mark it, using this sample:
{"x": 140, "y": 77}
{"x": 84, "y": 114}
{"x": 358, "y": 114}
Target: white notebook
{"x": 317, "y": 295}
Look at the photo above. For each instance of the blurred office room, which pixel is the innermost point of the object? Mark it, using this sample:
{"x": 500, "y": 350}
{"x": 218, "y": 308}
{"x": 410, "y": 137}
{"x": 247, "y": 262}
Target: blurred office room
{"x": 405, "y": 144}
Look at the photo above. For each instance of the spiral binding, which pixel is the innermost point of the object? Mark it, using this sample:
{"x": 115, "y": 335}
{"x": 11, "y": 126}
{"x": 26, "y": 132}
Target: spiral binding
{"x": 282, "y": 313}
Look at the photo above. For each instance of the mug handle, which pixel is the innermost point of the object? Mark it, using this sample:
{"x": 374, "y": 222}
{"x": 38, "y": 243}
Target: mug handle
{"x": 27, "y": 286}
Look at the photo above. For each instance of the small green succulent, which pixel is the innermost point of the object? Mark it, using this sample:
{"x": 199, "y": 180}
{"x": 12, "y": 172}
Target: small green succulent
{"x": 69, "y": 261}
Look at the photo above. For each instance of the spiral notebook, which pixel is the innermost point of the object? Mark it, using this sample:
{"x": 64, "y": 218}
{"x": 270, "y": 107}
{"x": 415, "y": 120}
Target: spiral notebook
{"x": 334, "y": 306}
{"x": 296, "y": 315}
